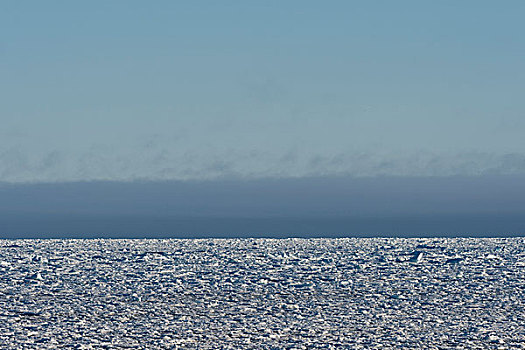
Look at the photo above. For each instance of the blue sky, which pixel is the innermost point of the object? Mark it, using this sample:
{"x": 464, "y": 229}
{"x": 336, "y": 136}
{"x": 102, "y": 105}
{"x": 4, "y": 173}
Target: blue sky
{"x": 168, "y": 90}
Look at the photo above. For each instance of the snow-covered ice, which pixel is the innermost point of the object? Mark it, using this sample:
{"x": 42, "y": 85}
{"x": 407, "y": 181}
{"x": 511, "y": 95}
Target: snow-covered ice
{"x": 263, "y": 293}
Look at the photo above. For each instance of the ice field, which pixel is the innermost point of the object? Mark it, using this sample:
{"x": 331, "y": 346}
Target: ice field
{"x": 263, "y": 294}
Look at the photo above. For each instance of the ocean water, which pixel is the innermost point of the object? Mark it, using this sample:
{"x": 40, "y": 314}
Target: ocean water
{"x": 347, "y": 293}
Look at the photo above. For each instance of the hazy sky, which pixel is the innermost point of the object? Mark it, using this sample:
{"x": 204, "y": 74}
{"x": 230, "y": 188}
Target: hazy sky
{"x": 323, "y": 206}
{"x": 121, "y": 90}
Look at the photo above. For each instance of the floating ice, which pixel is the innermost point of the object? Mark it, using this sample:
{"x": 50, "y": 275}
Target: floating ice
{"x": 264, "y": 293}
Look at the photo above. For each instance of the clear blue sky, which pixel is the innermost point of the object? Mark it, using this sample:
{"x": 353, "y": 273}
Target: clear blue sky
{"x": 123, "y": 90}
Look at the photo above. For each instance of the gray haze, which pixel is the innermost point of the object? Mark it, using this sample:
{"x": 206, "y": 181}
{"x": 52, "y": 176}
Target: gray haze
{"x": 314, "y": 206}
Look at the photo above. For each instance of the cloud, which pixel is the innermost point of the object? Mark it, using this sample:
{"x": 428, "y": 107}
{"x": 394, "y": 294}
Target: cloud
{"x": 13, "y": 162}
{"x": 153, "y": 162}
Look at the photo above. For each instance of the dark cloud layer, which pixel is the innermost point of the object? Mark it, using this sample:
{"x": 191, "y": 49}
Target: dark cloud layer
{"x": 330, "y": 206}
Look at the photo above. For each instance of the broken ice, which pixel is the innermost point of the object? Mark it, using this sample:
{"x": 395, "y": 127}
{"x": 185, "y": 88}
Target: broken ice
{"x": 263, "y": 293}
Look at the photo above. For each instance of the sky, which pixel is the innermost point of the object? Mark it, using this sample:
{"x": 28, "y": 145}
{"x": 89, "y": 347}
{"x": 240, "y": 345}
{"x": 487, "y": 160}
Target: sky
{"x": 234, "y": 118}
{"x": 204, "y": 90}
{"x": 466, "y": 206}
